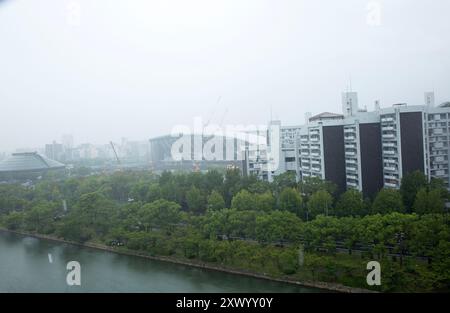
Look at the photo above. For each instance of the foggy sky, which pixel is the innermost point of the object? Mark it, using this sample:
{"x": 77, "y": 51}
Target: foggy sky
{"x": 136, "y": 68}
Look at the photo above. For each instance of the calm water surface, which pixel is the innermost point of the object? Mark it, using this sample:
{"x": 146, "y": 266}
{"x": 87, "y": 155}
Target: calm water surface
{"x": 25, "y": 267}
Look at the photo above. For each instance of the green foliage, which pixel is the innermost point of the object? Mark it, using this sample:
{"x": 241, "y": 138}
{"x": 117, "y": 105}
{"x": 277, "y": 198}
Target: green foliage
{"x": 40, "y": 217}
{"x": 388, "y": 201}
{"x": 350, "y": 203}
{"x": 195, "y": 200}
{"x": 411, "y": 183}
{"x": 159, "y": 214}
{"x": 14, "y": 220}
{"x": 319, "y": 203}
{"x": 243, "y": 200}
{"x": 285, "y": 180}
{"x": 310, "y": 185}
{"x": 265, "y": 202}
{"x": 288, "y": 261}
{"x": 429, "y": 202}
{"x": 185, "y": 215}
{"x": 215, "y": 201}
{"x": 290, "y": 200}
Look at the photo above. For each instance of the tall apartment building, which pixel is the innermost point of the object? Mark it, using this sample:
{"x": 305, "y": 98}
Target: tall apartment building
{"x": 437, "y": 152}
{"x": 368, "y": 150}
{"x": 54, "y": 151}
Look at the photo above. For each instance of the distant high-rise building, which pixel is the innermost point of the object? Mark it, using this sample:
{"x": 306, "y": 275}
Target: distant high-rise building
{"x": 349, "y": 103}
{"x": 429, "y": 99}
{"x": 54, "y": 151}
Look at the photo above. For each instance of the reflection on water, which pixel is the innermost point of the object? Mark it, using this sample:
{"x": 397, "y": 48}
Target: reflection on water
{"x": 25, "y": 266}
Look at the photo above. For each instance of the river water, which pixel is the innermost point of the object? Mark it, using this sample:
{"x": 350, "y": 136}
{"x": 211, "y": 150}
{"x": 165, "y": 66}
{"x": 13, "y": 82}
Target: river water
{"x": 34, "y": 265}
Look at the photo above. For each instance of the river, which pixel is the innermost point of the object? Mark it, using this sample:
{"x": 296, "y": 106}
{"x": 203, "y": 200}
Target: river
{"x": 29, "y": 264}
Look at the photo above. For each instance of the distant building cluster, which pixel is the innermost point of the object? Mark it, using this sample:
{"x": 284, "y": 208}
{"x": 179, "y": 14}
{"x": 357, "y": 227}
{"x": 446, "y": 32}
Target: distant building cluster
{"x": 363, "y": 150}
{"x": 127, "y": 151}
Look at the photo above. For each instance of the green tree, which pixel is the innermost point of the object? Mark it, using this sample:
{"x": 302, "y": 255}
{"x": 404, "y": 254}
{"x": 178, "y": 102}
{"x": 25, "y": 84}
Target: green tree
{"x": 310, "y": 185}
{"x": 319, "y": 203}
{"x": 231, "y": 185}
{"x": 195, "y": 200}
{"x": 411, "y": 183}
{"x": 243, "y": 200}
{"x": 139, "y": 191}
{"x": 388, "y": 201}
{"x": 285, "y": 180}
{"x": 153, "y": 192}
{"x": 14, "y": 220}
{"x": 265, "y": 201}
{"x": 213, "y": 180}
{"x": 160, "y": 214}
{"x": 94, "y": 210}
{"x": 429, "y": 202}
{"x": 40, "y": 217}
{"x": 260, "y": 187}
{"x": 288, "y": 261}
{"x": 215, "y": 201}
{"x": 350, "y": 203}
{"x": 290, "y": 200}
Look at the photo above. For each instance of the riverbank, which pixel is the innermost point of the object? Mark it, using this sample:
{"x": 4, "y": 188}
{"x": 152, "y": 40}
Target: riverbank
{"x": 205, "y": 266}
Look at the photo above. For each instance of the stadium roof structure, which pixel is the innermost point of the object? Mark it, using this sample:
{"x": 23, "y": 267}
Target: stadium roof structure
{"x": 28, "y": 162}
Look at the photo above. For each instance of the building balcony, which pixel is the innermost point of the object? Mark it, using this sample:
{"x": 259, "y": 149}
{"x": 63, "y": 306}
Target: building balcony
{"x": 390, "y": 168}
{"x": 388, "y": 136}
{"x": 352, "y": 184}
{"x": 387, "y": 120}
{"x": 391, "y": 185}
{"x": 439, "y": 173}
{"x": 388, "y": 128}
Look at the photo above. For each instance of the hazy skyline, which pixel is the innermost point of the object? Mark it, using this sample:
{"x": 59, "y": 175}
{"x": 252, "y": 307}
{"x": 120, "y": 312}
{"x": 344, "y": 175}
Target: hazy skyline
{"x": 137, "y": 68}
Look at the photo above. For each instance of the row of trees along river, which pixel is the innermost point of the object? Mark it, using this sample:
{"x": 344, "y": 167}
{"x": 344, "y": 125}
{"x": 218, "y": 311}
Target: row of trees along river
{"x": 232, "y": 221}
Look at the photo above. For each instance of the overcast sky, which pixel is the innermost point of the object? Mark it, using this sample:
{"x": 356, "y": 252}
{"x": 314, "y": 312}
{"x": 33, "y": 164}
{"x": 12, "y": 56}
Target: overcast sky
{"x": 136, "y": 68}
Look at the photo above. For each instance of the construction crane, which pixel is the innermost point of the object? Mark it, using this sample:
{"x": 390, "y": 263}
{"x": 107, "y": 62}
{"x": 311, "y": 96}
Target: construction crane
{"x": 115, "y": 152}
